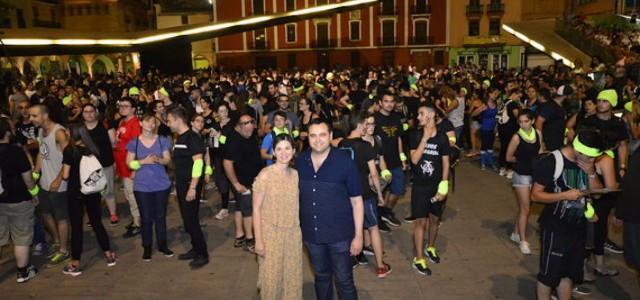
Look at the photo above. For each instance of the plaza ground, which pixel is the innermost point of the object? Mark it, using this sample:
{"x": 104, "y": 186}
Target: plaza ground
{"x": 478, "y": 259}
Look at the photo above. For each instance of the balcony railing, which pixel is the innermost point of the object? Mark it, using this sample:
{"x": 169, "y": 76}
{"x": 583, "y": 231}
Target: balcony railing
{"x": 388, "y": 11}
{"x": 392, "y": 41}
{"x": 495, "y": 8}
{"x": 475, "y": 10}
{"x": 48, "y": 24}
{"x": 421, "y": 40}
{"x": 258, "y": 45}
{"x": 420, "y": 9}
{"x": 584, "y": 42}
{"x": 320, "y": 44}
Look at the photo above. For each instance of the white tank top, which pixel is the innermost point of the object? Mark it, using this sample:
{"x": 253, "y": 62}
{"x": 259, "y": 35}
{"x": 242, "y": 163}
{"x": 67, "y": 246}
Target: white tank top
{"x": 51, "y": 159}
{"x": 456, "y": 116}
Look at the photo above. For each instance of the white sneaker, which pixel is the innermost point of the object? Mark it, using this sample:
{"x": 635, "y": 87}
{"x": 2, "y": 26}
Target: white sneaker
{"x": 515, "y": 238}
{"x": 524, "y": 248}
{"x": 509, "y": 174}
{"x": 223, "y": 213}
{"x": 502, "y": 172}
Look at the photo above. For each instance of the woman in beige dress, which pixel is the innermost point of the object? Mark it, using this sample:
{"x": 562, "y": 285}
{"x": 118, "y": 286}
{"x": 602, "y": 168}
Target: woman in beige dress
{"x": 277, "y": 226}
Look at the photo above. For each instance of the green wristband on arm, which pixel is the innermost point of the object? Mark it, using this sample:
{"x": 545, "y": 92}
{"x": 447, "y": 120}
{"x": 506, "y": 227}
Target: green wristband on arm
{"x": 589, "y": 212}
{"x": 208, "y": 170}
{"x": 196, "y": 170}
{"x": 443, "y": 187}
{"x": 134, "y": 165}
{"x": 34, "y": 191}
{"x": 386, "y": 175}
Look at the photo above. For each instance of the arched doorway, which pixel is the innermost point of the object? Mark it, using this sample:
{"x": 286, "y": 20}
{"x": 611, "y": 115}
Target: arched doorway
{"x": 77, "y": 65}
{"x": 103, "y": 65}
{"x": 200, "y": 62}
{"x": 50, "y": 66}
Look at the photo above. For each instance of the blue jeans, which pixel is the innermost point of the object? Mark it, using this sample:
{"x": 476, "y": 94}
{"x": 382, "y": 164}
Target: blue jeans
{"x": 329, "y": 261}
{"x": 153, "y": 210}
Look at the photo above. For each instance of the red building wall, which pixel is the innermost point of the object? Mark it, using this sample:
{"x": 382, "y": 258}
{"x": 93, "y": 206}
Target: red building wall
{"x": 236, "y": 51}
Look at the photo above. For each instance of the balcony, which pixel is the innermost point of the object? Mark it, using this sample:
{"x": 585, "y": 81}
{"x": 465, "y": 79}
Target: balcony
{"x": 392, "y": 41}
{"x": 475, "y": 10}
{"x": 47, "y": 24}
{"x": 482, "y": 41}
{"x": 322, "y": 44}
{"x": 258, "y": 45}
{"x": 421, "y": 9}
{"x": 388, "y": 11}
{"x": 421, "y": 40}
{"x": 182, "y": 6}
{"x": 495, "y": 9}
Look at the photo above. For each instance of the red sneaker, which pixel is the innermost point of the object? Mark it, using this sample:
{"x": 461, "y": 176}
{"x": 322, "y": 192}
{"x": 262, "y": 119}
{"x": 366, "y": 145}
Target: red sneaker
{"x": 114, "y": 220}
{"x": 384, "y": 271}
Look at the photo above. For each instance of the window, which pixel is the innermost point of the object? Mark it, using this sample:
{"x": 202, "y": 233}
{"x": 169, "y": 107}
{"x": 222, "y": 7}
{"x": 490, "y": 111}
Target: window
{"x": 494, "y": 27}
{"x": 387, "y": 7}
{"x": 438, "y": 58}
{"x": 388, "y": 34}
{"x": 474, "y": 27}
{"x": 291, "y": 33}
{"x": 290, "y": 5}
{"x": 321, "y": 2}
{"x": 421, "y": 6}
{"x": 260, "y": 38}
{"x": 355, "y": 59}
{"x": 20, "y": 18}
{"x": 291, "y": 60}
{"x": 420, "y": 32}
{"x": 35, "y": 13}
{"x": 354, "y": 30}
{"x": 322, "y": 32}
{"x": 258, "y": 7}
{"x": 184, "y": 19}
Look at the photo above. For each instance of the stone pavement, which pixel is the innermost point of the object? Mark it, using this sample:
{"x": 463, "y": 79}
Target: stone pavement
{"x": 478, "y": 259}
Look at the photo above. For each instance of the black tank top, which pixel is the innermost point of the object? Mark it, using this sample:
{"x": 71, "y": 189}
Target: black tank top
{"x": 525, "y": 155}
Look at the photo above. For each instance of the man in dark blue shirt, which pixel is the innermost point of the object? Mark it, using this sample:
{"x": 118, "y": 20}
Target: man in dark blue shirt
{"x": 331, "y": 212}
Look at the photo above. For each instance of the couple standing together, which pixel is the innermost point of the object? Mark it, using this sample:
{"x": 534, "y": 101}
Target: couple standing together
{"x": 320, "y": 205}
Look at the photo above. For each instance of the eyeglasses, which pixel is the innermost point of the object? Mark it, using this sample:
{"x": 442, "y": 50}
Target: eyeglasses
{"x": 247, "y": 122}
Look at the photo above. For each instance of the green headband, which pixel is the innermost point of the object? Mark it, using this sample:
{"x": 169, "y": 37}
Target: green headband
{"x": 298, "y": 89}
{"x": 318, "y": 85}
{"x": 629, "y": 106}
{"x": 584, "y": 149}
{"x": 164, "y": 92}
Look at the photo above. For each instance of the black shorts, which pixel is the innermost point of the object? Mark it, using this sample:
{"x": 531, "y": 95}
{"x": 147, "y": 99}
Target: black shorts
{"x": 244, "y": 203}
{"x": 561, "y": 256}
{"x": 421, "y": 206}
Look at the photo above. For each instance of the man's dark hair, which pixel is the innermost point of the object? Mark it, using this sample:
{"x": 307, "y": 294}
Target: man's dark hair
{"x": 591, "y": 138}
{"x": 319, "y": 121}
{"x": 279, "y": 113}
{"x": 179, "y": 113}
{"x": 128, "y": 99}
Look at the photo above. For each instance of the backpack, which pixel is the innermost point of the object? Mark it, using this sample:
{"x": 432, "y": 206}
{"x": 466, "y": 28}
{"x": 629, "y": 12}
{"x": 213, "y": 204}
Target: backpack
{"x": 503, "y": 113}
{"x": 569, "y": 212}
{"x": 92, "y": 177}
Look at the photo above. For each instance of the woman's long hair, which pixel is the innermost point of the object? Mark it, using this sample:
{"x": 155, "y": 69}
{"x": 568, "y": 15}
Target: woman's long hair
{"x": 80, "y": 133}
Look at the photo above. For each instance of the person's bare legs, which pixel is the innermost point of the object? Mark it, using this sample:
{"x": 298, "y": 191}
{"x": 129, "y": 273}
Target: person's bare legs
{"x": 433, "y": 229}
{"x": 63, "y": 230}
{"x": 50, "y": 225}
{"x": 418, "y": 236}
{"x": 248, "y": 227}
{"x": 111, "y": 204}
{"x": 522, "y": 218}
{"x": 565, "y": 288}
{"x": 22, "y": 256}
{"x": 376, "y": 244}
{"x": 237, "y": 222}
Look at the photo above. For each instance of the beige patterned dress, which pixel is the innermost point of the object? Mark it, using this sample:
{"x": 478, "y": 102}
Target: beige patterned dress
{"x": 280, "y": 270}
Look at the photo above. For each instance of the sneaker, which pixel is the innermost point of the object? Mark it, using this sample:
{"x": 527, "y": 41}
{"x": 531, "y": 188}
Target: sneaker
{"x": 187, "y": 256}
{"x": 509, "y": 174}
{"x": 204, "y": 201}
{"x": 409, "y": 219}
{"x": 430, "y": 252}
{"x": 604, "y": 271}
{"x": 111, "y": 259}
{"x": 368, "y": 250}
{"x": 25, "y": 276}
{"x": 129, "y": 226}
{"x": 132, "y": 231}
{"x": 52, "y": 250}
{"x": 249, "y": 245}
{"x": 383, "y": 227}
{"x": 58, "y": 258}
{"x": 502, "y": 172}
{"x": 582, "y": 290}
{"x": 146, "y": 255}
{"x": 421, "y": 266}
{"x": 166, "y": 252}
{"x": 71, "y": 270}
{"x": 199, "y": 262}
{"x": 483, "y": 167}
{"x": 114, "y": 220}
{"x": 515, "y": 238}
{"x": 384, "y": 271}
{"x": 390, "y": 219}
{"x": 524, "y": 248}
{"x": 612, "y": 247}
{"x": 222, "y": 214}
{"x": 362, "y": 259}
{"x": 37, "y": 249}
{"x": 354, "y": 263}
{"x": 239, "y": 242}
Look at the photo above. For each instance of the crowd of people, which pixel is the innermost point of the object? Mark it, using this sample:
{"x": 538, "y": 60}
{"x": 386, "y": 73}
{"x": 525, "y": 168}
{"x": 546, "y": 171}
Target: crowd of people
{"x": 319, "y": 159}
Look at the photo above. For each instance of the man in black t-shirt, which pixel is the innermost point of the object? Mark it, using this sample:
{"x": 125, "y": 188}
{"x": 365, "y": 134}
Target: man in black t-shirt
{"x": 364, "y": 155}
{"x": 560, "y": 179}
{"x": 551, "y": 121}
{"x": 242, "y": 163}
{"x": 430, "y": 165}
{"x": 188, "y": 158}
{"x": 26, "y": 132}
{"x": 507, "y": 127}
{"x": 393, "y": 162}
{"x": 17, "y": 189}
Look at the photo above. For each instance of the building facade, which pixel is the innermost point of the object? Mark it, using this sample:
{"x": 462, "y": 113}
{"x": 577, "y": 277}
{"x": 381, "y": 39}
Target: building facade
{"x": 390, "y": 33}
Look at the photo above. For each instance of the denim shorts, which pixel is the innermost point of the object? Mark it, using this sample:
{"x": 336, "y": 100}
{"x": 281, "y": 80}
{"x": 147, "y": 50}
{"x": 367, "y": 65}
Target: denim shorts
{"x": 397, "y": 185}
{"x": 521, "y": 180}
{"x": 370, "y": 212}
